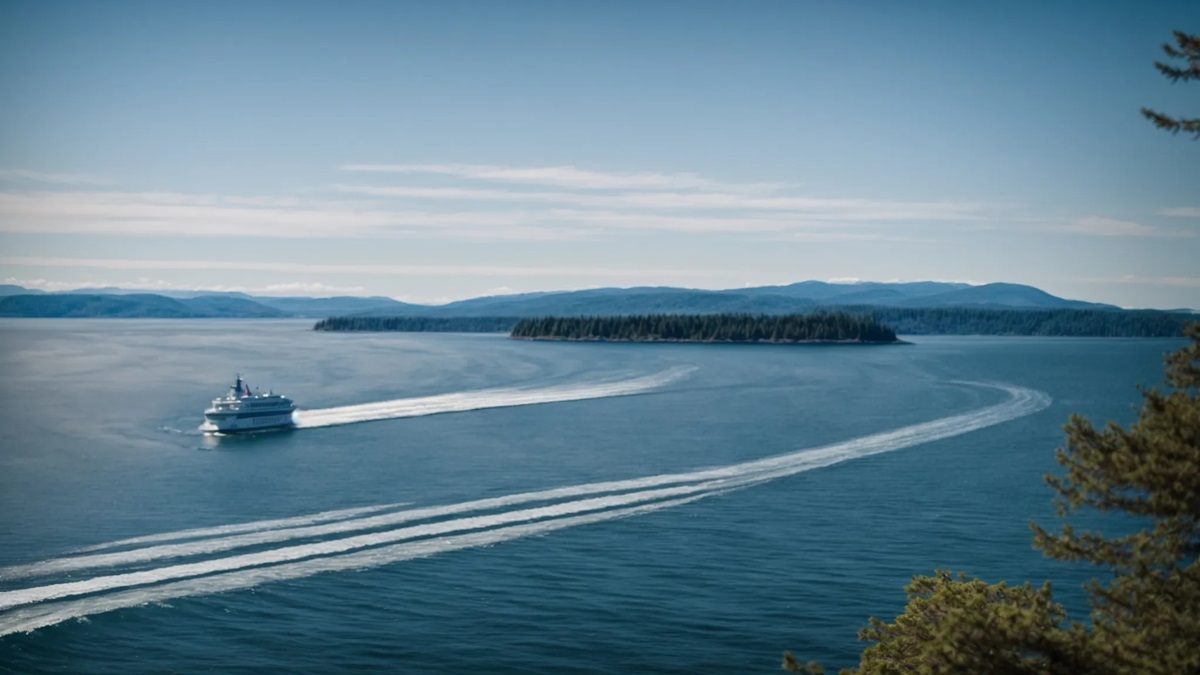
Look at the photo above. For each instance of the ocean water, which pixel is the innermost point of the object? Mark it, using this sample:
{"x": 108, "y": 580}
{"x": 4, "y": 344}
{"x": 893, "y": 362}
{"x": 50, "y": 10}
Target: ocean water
{"x": 467, "y": 502}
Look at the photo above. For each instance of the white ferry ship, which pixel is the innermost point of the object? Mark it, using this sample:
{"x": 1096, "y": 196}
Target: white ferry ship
{"x": 242, "y": 410}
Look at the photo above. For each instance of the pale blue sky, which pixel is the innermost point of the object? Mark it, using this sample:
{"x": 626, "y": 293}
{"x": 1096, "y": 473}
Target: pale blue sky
{"x": 435, "y": 151}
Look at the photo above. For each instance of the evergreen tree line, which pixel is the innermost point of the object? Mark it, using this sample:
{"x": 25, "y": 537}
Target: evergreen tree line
{"x": 418, "y": 324}
{"x": 905, "y": 321}
{"x": 831, "y": 327}
{"x": 1047, "y": 322}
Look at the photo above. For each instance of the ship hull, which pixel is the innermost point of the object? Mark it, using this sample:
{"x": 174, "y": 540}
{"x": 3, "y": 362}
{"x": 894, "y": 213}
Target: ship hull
{"x": 234, "y": 424}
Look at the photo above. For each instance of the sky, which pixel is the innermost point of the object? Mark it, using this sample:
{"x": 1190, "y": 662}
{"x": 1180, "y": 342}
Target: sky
{"x": 438, "y": 151}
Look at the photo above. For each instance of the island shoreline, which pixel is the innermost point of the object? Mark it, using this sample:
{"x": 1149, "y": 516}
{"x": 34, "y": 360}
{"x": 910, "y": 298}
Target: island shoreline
{"x": 780, "y": 343}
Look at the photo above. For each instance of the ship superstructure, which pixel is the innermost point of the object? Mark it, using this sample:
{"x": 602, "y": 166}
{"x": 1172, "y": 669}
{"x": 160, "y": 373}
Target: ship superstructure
{"x": 245, "y": 410}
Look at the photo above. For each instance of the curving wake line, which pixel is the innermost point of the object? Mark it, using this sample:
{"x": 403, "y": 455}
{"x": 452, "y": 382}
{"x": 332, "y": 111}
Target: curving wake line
{"x": 324, "y": 516}
{"x": 486, "y": 398}
{"x": 326, "y": 547}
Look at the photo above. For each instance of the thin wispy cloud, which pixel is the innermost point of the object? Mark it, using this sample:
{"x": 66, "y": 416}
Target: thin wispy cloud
{"x": 1184, "y": 282}
{"x": 303, "y": 288}
{"x": 819, "y": 236}
{"x": 355, "y": 268}
{"x": 1181, "y": 212}
{"x": 1111, "y": 227}
{"x": 170, "y": 214}
{"x": 590, "y": 205}
{"x": 839, "y": 209}
{"x": 689, "y": 224}
{"x": 24, "y": 175}
{"x": 564, "y": 177}
{"x": 310, "y": 288}
{"x": 161, "y": 214}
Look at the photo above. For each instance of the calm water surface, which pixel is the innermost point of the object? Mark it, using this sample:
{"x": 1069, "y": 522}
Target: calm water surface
{"x": 98, "y": 443}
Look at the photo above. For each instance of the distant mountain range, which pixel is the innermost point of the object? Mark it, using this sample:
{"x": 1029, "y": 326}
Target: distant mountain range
{"x": 804, "y": 296}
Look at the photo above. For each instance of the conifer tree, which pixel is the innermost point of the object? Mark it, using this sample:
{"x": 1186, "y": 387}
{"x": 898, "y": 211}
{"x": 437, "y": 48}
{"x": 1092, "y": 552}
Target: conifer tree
{"x": 1145, "y": 619}
{"x": 1189, "y": 51}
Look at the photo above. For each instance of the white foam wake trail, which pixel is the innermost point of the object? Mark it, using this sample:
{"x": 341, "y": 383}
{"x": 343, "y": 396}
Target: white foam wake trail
{"x": 209, "y": 546}
{"x": 255, "y": 526}
{"x": 40, "y": 616}
{"x": 483, "y": 399}
{"x": 334, "y": 546}
{"x": 288, "y": 562}
{"x": 1021, "y": 401}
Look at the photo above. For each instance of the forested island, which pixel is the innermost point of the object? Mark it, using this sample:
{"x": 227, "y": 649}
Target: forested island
{"x": 418, "y": 324}
{"x": 1044, "y": 322}
{"x": 903, "y": 320}
{"x": 773, "y": 329}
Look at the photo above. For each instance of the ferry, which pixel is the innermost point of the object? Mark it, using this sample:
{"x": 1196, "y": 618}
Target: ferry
{"x": 243, "y": 410}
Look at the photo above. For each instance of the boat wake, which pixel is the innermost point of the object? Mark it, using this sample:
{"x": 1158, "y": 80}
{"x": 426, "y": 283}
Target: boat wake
{"x": 483, "y": 399}
{"x": 160, "y": 567}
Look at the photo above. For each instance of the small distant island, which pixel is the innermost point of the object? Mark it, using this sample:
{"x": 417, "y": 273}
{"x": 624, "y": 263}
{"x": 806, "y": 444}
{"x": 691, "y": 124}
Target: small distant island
{"x": 837, "y": 327}
{"x": 417, "y": 324}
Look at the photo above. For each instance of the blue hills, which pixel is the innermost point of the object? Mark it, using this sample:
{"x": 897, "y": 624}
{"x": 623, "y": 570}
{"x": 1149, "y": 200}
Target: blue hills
{"x": 803, "y": 296}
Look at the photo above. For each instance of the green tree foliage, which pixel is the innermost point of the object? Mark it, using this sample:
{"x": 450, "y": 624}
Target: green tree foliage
{"x": 833, "y": 327}
{"x": 903, "y": 320}
{"x": 1188, "y": 50}
{"x": 956, "y": 625}
{"x": 1048, "y": 322}
{"x": 1151, "y": 607}
{"x": 1145, "y": 617}
{"x": 418, "y": 324}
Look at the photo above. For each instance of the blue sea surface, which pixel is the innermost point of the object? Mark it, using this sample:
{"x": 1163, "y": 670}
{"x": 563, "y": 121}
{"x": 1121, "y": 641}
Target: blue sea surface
{"x": 671, "y": 570}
